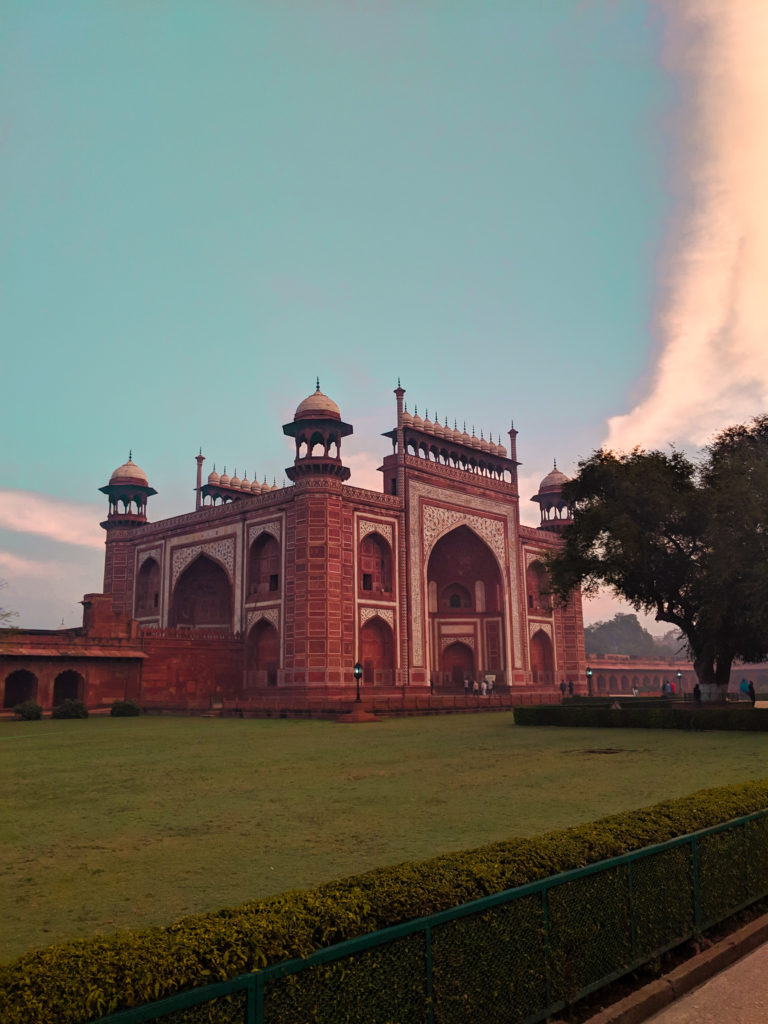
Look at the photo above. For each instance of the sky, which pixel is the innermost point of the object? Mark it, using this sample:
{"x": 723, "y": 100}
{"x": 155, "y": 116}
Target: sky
{"x": 550, "y": 212}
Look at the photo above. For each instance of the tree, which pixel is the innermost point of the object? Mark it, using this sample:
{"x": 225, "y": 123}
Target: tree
{"x": 686, "y": 541}
{"x": 6, "y": 616}
{"x": 622, "y": 634}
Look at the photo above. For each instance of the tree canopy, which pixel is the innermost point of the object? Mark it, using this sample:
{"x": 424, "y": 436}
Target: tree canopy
{"x": 685, "y": 540}
{"x": 623, "y": 634}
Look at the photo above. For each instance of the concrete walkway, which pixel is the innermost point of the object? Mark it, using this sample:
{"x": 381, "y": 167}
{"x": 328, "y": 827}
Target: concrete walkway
{"x": 738, "y": 995}
{"x": 724, "y": 984}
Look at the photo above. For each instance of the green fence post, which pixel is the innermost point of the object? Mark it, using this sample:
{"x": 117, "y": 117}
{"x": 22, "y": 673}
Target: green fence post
{"x": 547, "y": 951}
{"x": 250, "y": 1002}
{"x": 696, "y": 884}
{"x": 258, "y": 1000}
{"x": 428, "y": 965}
{"x": 632, "y": 916}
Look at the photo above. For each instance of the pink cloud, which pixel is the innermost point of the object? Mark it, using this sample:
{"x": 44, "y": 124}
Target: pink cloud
{"x": 712, "y": 320}
{"x": 67, "y": 522}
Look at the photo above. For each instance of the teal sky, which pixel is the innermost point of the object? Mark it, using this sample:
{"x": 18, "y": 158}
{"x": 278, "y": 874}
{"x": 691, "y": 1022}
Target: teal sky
{"x": 205, "y": 205}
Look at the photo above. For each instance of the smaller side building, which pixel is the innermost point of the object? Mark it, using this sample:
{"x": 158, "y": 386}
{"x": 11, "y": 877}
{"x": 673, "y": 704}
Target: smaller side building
{"x": 98, "y": 663}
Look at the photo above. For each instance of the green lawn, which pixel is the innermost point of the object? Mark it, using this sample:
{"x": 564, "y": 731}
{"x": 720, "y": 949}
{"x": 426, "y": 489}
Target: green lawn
{"x": 114, "y": 823}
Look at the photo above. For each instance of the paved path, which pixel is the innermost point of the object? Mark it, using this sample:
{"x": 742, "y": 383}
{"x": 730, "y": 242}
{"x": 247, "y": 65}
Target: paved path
{"x": 738, "y": 995}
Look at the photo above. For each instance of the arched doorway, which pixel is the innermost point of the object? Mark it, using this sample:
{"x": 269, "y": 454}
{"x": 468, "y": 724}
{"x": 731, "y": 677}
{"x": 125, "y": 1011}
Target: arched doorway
{"x": 264, "y": 567}
{"x": 542, "y": 659}
{"x": 458, "y": 661}
{"x": 465, "y": 591}
{"x": 537, "y": 582}
{"x": 263, "y": 654}
{"x": 68, "y": 685}
{"x": 20, "y": 685}
{"x": 203, "y": 596}
{"x": 375, "y": 565}
{"x": 377, "y": 652}
{"x": 148, "y": 590}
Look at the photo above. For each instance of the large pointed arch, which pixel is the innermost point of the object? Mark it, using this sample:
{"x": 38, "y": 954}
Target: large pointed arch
{"x": 467, "y": 602}
{"x": 202, "y": 596}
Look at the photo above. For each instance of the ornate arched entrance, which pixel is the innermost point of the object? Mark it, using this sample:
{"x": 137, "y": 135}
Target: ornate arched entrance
{"x": 466, "y": 611}
{"x": 377, "y": 652}
{"x": 203, "y": 596}
{"x": 542, "y": 659}
{"x": 457, "y": 662}
{"x": 263, "y": 654}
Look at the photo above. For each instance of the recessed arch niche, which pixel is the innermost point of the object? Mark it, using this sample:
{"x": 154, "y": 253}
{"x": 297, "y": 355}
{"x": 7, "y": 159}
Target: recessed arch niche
{"x": 202, "y": 596}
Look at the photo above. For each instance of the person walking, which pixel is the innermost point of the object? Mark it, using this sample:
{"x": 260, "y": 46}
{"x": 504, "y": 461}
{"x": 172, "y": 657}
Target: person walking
{"x": 751, "y": 692}
{"x": 562, "y": 689}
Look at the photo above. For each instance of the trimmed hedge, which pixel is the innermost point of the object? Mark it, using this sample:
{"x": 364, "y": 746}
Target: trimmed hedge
{"x": 75, "y": 982}
{"x": 635, "y": 715}
{"x": 70, "y": 707}
{"x": 28, "y": 711}
{"x": 125, "y": 709}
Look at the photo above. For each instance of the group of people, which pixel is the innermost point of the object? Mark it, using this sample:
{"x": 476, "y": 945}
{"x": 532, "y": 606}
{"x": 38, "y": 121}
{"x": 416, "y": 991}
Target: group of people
{"x": 569, "y": 688}
{"x": 483, "y": 688}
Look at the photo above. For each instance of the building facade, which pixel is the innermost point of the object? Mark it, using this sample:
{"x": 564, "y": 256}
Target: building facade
{"x": 430, "y": 584}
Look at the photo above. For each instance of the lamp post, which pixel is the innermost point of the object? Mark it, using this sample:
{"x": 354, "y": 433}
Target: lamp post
{"x": 679, "y": 682}
{"x": 357, "y": 671}
{"x": 589, "y": 680}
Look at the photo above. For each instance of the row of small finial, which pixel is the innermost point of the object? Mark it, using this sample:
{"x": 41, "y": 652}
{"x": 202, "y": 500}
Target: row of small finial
{"x": 453, "y": 435}
{"x": 234, "y": 483}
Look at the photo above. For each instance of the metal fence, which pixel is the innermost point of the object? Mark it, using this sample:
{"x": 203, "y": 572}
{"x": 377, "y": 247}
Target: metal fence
{"x": 517, "y": 956}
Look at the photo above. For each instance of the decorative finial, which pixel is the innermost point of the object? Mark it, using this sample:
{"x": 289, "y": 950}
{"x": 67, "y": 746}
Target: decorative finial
{"x": 415, "y": 410}
{"x": 318, "y": 384}
{"x": 130, "y": 455}
{"x": 465, "y": 426}
{"x": 200, "y": 452}
{"x": 473, "y": 430}
{"x": 225, "y": 469}
{"x": 555, "y": 463}
{"x": 481, "y": 434}
{"x": 398, "y": 382}
{"x": 405, "y": 407}
{"x": 446, "y": 421}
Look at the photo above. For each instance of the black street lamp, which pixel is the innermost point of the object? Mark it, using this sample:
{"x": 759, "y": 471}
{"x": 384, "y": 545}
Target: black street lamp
{"x": 679, "y": 682}
{"x": 357, "y": 671}
{"x": 589, "y": 680}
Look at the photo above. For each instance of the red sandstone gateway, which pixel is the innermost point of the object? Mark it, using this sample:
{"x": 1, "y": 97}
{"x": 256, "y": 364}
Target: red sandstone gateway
{"x": 276, "y": 592}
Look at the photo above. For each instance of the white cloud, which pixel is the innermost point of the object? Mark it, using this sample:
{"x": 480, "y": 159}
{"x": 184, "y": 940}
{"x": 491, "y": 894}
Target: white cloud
{"x": 15, "y": 565}
{"x": 67, "y": 522}
{"x": 712, "y": 321}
